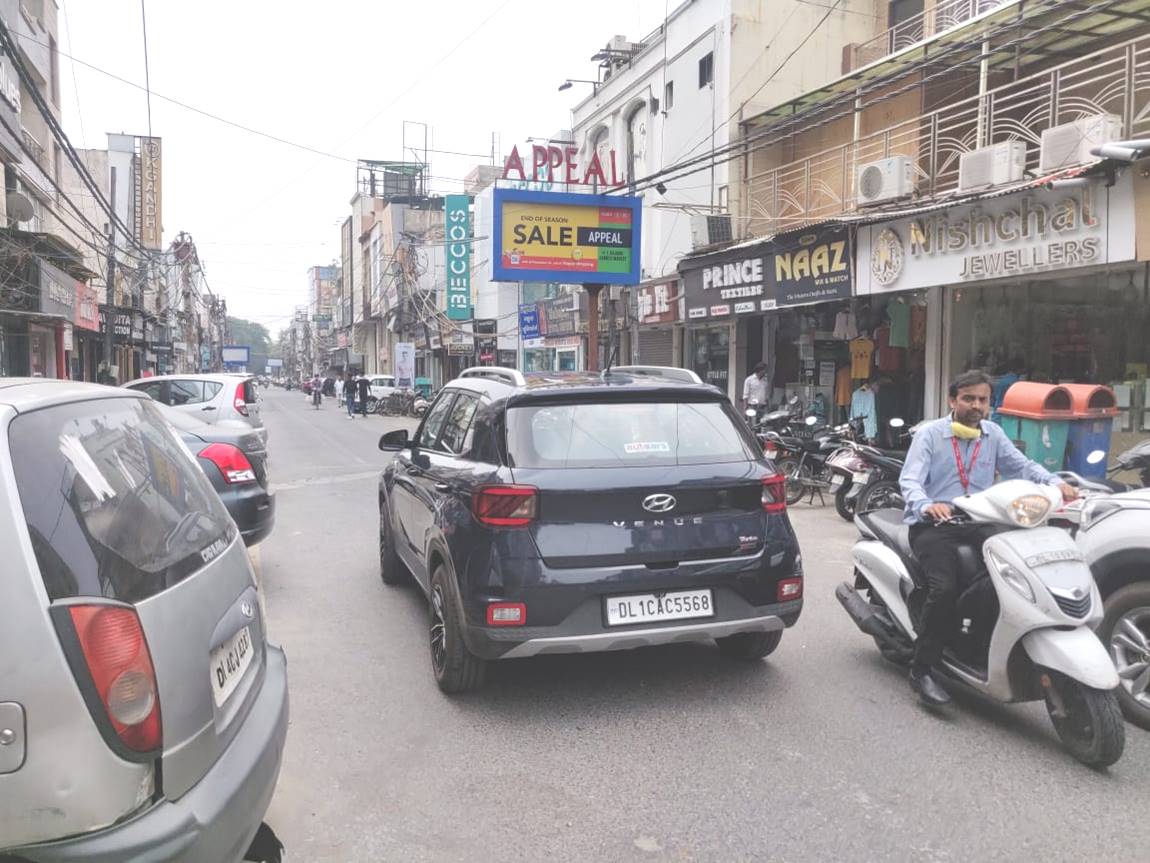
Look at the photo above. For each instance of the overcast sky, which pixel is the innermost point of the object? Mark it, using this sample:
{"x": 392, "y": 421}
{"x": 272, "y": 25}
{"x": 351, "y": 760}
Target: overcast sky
{"x": 341, "y": 77}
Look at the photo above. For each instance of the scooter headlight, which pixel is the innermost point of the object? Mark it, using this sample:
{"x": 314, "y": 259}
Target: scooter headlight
{"x": 1013, "y": 577}
{"x": 1029, "y": 510}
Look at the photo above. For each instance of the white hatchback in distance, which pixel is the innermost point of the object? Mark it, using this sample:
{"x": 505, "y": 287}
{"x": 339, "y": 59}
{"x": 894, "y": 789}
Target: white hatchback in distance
{"x": 215, "y": 399}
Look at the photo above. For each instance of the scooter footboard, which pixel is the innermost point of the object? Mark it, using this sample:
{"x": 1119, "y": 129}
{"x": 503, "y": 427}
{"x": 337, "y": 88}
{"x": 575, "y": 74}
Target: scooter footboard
{"x": 1077, "y": 653}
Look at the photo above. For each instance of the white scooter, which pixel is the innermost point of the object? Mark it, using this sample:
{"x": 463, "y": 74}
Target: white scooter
{"x": 1025, "y": 633}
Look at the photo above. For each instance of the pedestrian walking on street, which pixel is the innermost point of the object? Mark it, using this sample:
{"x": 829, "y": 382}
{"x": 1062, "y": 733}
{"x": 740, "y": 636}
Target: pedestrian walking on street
{"x": 339, "y": 391}
{"x": 349, "y": 394}
{"x": 363, "y": 385}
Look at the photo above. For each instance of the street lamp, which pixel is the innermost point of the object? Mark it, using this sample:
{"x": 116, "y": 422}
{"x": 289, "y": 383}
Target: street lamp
{"x": 566, "y": 85}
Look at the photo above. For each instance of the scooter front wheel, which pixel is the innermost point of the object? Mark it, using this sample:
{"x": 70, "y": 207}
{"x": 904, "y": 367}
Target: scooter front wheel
{"x": 1088, "y": 721}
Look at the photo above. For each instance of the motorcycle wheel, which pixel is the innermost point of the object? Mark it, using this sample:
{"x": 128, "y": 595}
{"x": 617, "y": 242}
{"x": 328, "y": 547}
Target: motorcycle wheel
{"x": 884, "y": 494}
{"x": 795, "y": 475}
{"x": 1125, "y": 630}
{"x": 845, "y": 506}
{"x": 1088, "y": 721}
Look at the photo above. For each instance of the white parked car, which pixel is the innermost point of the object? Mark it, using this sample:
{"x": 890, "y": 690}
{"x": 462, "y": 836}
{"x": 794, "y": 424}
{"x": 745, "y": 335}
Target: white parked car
{"x": 382, "y": 386}
{"x": 215, "y": 399}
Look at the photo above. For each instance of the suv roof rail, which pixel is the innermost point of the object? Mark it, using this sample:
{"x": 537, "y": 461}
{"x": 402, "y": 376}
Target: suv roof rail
{"x": 499, "y": 373}
{"x": 669, "y": 372}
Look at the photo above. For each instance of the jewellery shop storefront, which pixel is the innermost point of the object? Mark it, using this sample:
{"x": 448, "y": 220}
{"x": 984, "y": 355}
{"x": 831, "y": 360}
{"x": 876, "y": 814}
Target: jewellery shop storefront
{"x": 1037, "y": 285}
{"x": 789, "y": 302}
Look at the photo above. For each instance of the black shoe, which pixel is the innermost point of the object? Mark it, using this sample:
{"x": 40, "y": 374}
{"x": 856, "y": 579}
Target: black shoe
{"x": 929, "y": 690}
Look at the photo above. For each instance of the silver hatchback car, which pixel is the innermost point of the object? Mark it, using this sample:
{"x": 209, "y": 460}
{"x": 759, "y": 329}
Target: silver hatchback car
{"x": 142, "y": 711}
{"x": 230, "y": 399}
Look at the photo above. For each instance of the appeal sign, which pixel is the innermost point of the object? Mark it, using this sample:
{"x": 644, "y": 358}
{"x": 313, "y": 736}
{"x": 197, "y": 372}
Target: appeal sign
{"x": 540, "y": 236}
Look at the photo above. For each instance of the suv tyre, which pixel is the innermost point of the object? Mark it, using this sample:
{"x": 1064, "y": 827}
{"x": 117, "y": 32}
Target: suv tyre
{"x": 455, "y": 667}
{"x": 749, "y": 646}
{"x": 391, "y": 569}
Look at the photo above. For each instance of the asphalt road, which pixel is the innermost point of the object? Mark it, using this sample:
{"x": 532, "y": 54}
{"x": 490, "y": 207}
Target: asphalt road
{"x": 664, "y": 754}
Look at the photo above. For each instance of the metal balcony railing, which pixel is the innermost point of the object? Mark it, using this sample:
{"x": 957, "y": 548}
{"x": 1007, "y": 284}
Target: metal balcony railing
{"x": 939, "y": 18}
{"x": 1114, "y": 80}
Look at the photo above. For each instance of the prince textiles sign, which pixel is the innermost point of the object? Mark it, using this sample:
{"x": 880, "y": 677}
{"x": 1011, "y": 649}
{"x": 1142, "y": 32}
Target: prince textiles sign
{"x": 814, "y": 267}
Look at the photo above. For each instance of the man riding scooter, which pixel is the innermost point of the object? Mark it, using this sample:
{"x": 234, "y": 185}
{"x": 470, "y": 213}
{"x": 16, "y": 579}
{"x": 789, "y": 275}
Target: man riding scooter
{"x": 950, "y": 457}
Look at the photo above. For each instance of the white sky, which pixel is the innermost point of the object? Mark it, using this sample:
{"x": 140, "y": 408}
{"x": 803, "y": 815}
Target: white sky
{"x": 339, "y": 76}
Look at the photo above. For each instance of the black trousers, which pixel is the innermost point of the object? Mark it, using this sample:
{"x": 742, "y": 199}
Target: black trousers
{"x": 936, "y": 548}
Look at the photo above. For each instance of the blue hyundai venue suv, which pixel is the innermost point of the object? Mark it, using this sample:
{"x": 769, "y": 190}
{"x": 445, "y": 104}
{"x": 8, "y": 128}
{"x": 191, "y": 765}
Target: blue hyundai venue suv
{"x": 576, "y": 512}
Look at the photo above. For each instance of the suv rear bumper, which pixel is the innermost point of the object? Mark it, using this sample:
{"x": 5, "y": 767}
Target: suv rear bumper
{"x": 216, "y": 820}
{"x": 584, "y": 630}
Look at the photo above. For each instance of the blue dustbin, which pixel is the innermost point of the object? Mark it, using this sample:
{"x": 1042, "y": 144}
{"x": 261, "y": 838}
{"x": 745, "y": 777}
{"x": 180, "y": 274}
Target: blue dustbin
{"x": 1094, "y": 409}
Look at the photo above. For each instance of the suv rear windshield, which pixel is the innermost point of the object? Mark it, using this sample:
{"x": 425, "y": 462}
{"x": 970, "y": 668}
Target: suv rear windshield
{"x": 115, "y": 505}
{"x": 624, "y": 433}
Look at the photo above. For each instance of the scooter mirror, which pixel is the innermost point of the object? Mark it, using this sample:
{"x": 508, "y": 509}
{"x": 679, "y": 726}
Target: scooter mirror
{"x": 751, "y": 412}
{"x": 897, "y": 423}
{"x": 811, "y": 420}
{"x": 1095, "y": 457}
{"x": 793, "y": 400}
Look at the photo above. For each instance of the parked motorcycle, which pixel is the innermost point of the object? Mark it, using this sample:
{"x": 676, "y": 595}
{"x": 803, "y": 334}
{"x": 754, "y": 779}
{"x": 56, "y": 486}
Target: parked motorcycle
{"x": 1111, "y": 526}
{"x": 803, "y": 459}
{"x": 1024, "y": 618}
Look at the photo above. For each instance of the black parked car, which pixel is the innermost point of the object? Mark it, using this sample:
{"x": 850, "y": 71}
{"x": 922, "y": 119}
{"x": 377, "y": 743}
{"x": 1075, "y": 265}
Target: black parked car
{"x": 567, "y": 513}
{"x": 235, "y": 459}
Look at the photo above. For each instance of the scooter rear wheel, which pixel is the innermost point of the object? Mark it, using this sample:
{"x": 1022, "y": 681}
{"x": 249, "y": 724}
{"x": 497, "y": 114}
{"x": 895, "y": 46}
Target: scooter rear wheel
{"x": 1088, "y": 721}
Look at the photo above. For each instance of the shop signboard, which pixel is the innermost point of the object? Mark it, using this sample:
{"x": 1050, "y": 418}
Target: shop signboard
{"x": 529, "y": 321}
{"x": 122, "y": 326}
{"x": 549, "y": 236}
{"x": 457, "y": 218}
{"x": 557, "y": 316}
{"x": 239, "y": 355}
{"x": 814, "y": 268}
{"x": 148, "y": 181}
{"x": 137, "y": 327}
{"x": 1028, "y": 233}
{"x": 57, "y": 295}
{"x": 656, "y": 303}
{"x": 275, "y": 363}
{"x": 720, "y": 282}
{"x": 86, "y": 316}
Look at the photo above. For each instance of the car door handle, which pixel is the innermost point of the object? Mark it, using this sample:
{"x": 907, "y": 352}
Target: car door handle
{"x": 208, "y": 408}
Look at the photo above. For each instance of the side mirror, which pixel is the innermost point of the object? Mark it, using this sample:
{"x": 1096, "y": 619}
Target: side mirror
{"x": 812, "y": 421}
{"x": 897, "y": 423}
{"x": 1099, "y": 455}
{"x": 394, "y": 441}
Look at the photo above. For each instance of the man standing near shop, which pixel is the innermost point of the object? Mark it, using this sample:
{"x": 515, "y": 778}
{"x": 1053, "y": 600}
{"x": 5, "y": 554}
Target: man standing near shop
{"x": 756, "y": 388}
{"x": 349, "y": 395}
{"x": 363, "y": 387}
{"x": 950, "y": 457}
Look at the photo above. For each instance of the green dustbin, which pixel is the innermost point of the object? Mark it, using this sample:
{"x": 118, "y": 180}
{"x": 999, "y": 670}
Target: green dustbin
{"x": 1037, "y": 418}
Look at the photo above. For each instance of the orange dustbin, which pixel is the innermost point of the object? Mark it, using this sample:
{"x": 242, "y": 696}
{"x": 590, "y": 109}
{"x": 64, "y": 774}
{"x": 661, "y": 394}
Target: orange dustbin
{"x": 1037, "y": 417}
{"x": 1094, "y": 409}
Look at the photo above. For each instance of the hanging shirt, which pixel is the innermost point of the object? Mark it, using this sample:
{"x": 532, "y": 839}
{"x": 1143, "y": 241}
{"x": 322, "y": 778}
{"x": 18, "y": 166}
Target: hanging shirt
{"x": 931, "y": 473}
{"x": 918, "y": 326}
{"x": 862, "y": 354}
{"x": 846, "y": 328}
{"x": 843, "y": 386}
{"x": 899, "y": 315}
{"x": 863, "y": 405}
{"x": 889, "y": 358}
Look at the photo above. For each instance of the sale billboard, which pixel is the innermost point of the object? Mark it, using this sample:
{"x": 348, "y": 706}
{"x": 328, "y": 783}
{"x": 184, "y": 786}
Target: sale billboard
{"x": 557, "y": 236}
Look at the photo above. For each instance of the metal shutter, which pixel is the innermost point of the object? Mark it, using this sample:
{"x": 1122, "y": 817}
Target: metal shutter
{"x": 656, "y": 347}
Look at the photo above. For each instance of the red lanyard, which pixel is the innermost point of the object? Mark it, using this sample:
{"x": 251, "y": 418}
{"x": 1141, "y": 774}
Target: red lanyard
{"x": 965, "y": 472}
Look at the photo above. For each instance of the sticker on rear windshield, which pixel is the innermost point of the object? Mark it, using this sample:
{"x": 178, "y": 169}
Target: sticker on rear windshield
{"x": 641, "y": 447}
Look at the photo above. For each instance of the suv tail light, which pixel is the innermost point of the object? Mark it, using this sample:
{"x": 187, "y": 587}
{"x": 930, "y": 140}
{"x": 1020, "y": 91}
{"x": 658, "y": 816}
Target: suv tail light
{"x": 506, "y": 505}
{"x": 239, "y": 402}
{"x": 790, "y": 588}
{"x": 775, "y": 493}
{"x": 506, "y": 614}
{"x": 231, "y": 461}
{"x": 119, "y": 668}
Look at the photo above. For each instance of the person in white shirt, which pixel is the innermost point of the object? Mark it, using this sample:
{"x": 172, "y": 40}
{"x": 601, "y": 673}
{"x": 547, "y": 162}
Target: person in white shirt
{"x": 756, "y": 387}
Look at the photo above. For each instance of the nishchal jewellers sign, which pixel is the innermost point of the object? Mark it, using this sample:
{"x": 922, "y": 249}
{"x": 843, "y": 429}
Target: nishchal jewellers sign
{"x": 1039, "y": 231}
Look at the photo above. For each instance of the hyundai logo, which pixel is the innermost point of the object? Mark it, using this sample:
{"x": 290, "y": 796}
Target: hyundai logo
{"x": 659, "y": 502}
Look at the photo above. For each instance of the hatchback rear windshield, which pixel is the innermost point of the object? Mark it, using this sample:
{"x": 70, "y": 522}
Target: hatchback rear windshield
{"x": 619, "y": 434}
{"x": 116, "y": 506}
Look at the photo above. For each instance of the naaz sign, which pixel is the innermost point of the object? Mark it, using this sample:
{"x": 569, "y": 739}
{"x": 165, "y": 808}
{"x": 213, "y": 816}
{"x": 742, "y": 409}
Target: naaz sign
{"x": 557, "y": 236}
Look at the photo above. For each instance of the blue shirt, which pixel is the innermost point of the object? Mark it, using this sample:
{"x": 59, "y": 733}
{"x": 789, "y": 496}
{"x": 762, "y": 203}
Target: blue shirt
{"x": 930, "y": 474}
{"x": 863, "y": 405}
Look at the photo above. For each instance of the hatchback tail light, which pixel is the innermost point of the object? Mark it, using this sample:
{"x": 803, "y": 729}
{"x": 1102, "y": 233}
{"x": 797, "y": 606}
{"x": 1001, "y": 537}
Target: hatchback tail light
{"x": 775, "y": 493}
{"x": 240, "y": 402}
{"x": 506, "y": 505}
{"x": 119, "y": 668}
{"x": 231, "y": 461}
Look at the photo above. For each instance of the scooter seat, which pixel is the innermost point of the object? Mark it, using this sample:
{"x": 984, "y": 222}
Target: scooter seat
{"x": 888, "y": 527}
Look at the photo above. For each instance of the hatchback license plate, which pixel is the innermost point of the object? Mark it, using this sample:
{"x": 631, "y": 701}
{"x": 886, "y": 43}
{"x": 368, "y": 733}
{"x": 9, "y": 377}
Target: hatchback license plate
{"x": 229, "y": 662}
{"x": 650, "y": 607}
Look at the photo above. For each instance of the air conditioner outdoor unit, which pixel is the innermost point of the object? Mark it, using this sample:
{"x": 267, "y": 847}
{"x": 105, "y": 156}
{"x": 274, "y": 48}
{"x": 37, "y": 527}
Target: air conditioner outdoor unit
{"x": 885, "y": 180}
{"x": 1070, "y": 144}
{"x": 707, "y": 230}
{"x": 992, "y": 166}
